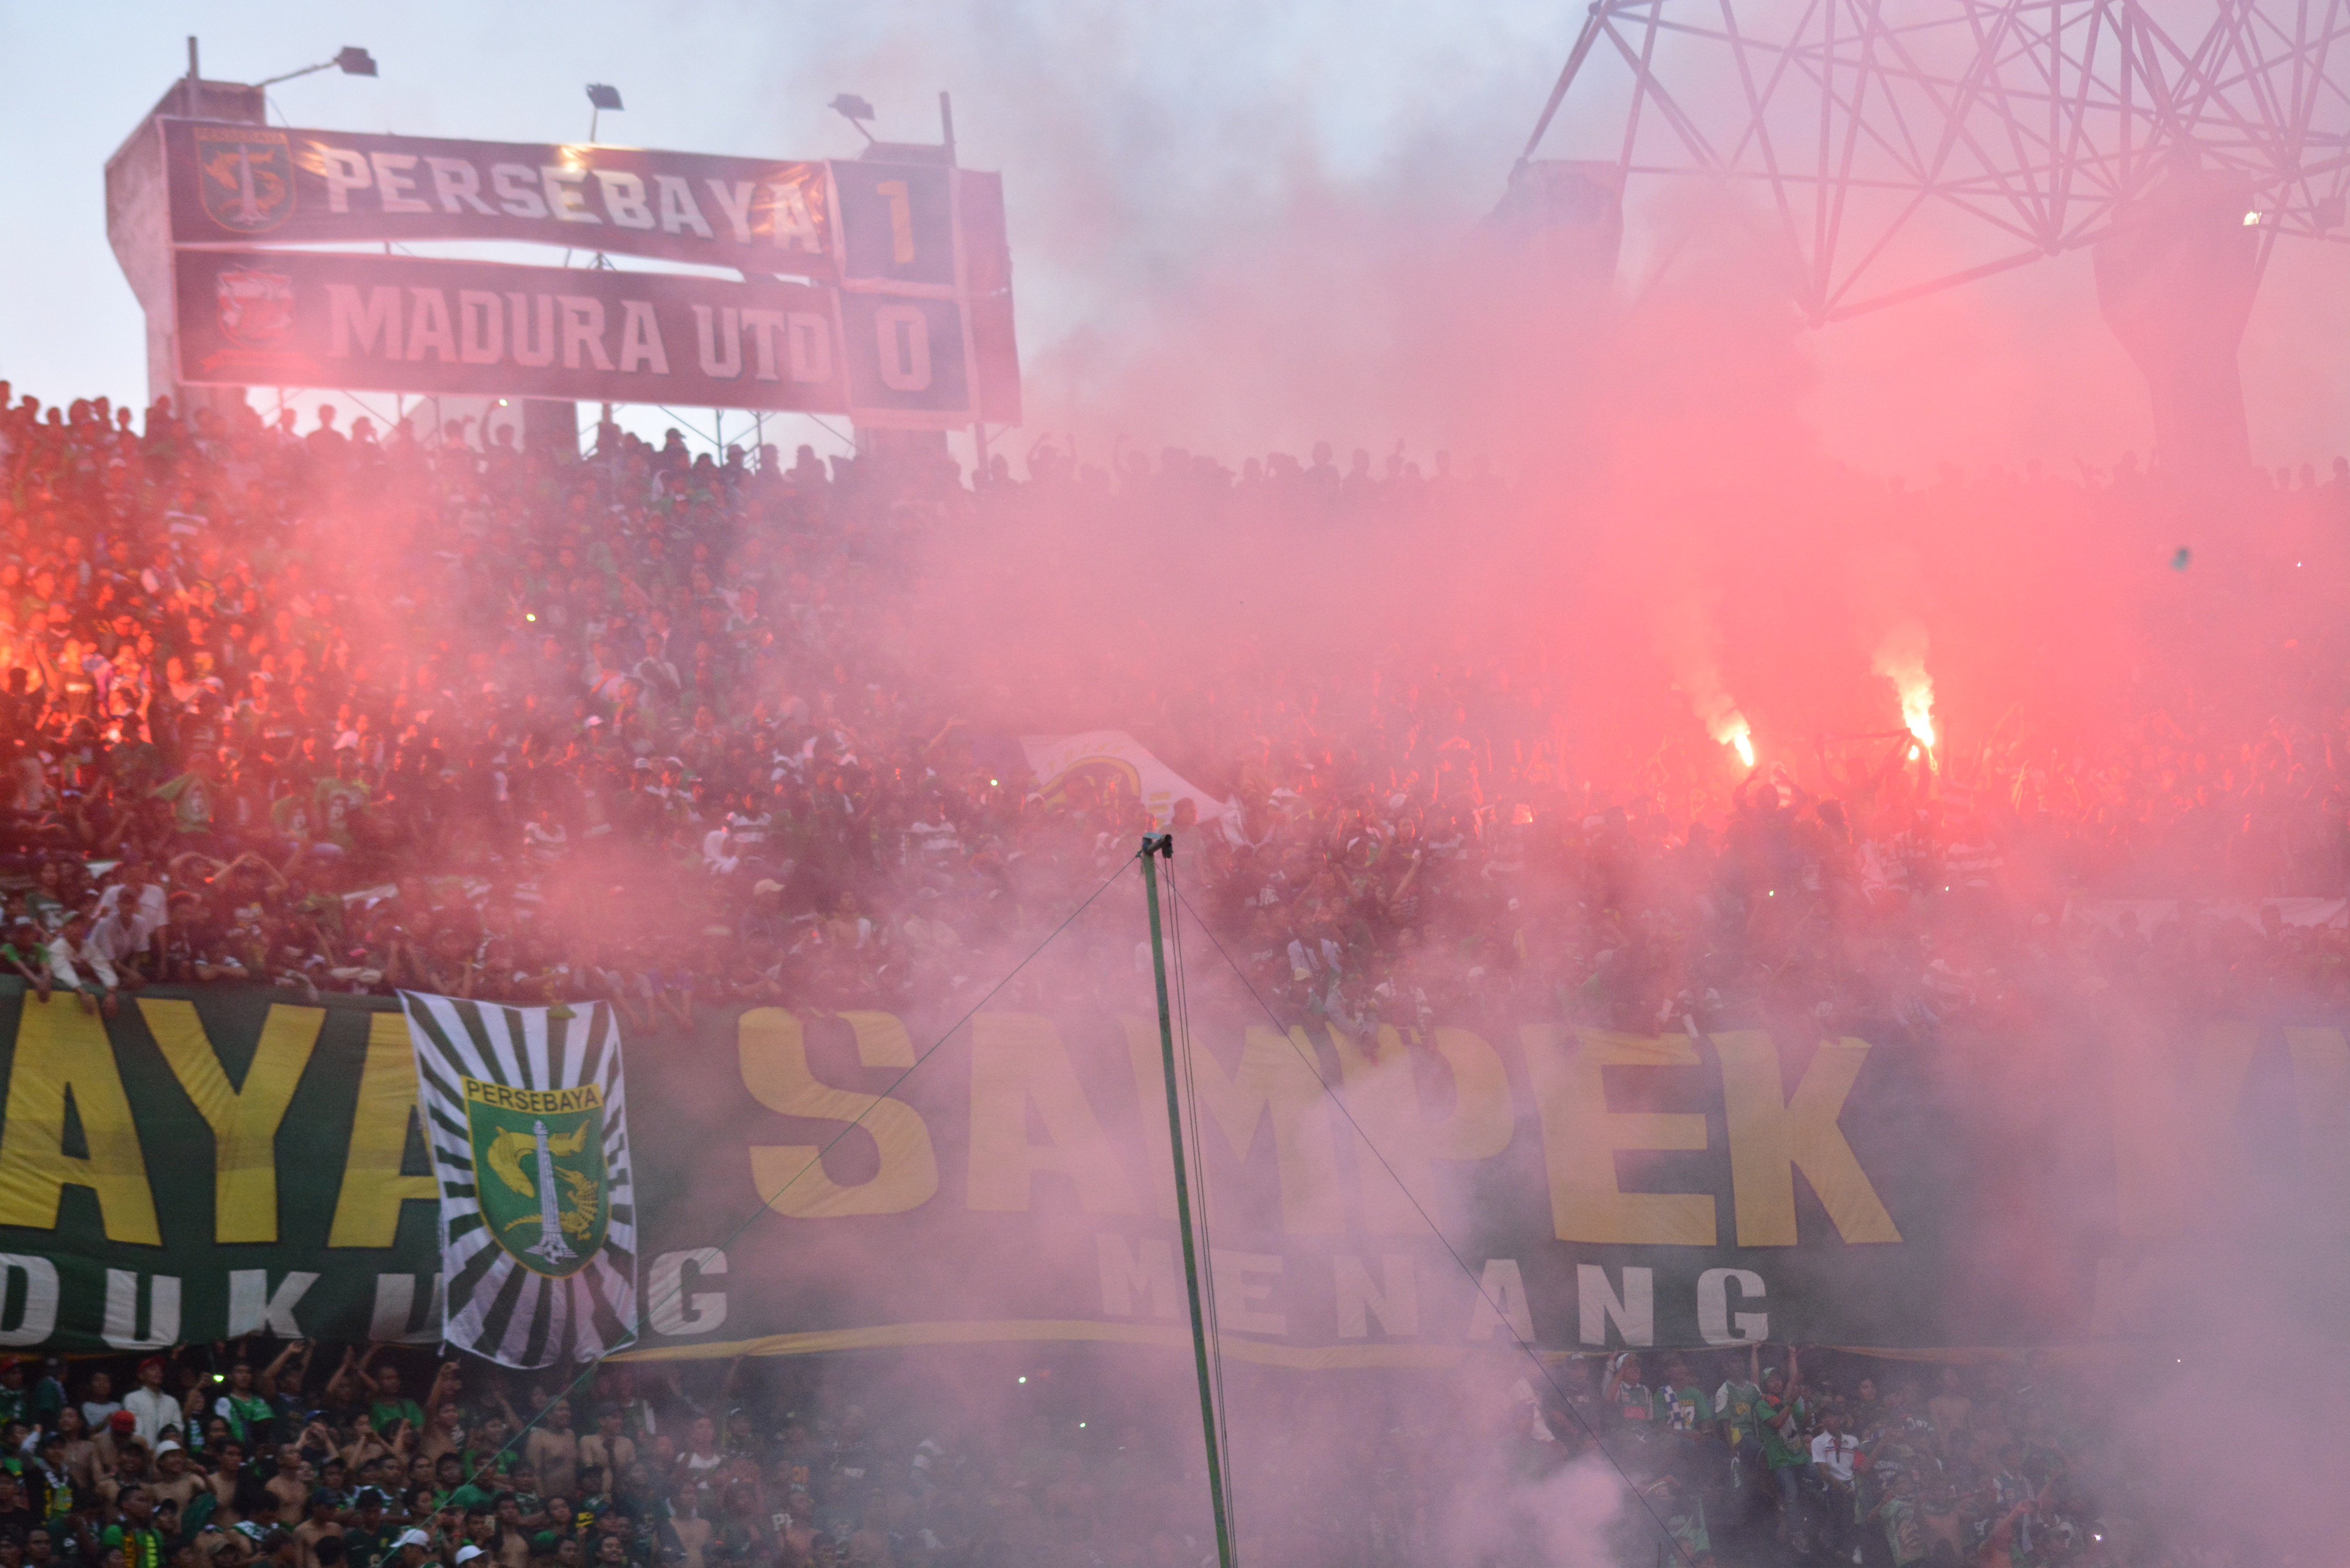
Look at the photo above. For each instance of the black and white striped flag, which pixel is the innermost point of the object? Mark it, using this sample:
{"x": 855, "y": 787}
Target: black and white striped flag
{"x": 526, "y": 1115}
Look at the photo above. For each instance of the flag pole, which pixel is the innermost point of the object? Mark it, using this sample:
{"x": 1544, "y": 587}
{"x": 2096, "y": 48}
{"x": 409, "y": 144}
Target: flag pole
{"x": 1154, "y": 846}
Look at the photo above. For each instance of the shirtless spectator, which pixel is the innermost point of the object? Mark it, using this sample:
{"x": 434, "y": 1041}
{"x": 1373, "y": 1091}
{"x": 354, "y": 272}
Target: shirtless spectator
{"x": 554, "y": 1450}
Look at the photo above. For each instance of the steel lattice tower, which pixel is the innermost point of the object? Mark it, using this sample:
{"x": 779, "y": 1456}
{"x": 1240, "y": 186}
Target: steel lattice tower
{"x": 1878, "y": 141}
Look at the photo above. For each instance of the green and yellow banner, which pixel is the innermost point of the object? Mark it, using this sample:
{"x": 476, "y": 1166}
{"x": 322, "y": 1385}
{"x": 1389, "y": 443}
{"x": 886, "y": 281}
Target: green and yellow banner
{"x": 221, "y": 1162}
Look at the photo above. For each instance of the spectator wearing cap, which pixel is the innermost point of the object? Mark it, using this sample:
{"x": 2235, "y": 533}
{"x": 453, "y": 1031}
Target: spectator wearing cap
{"x": 109, "y": 1442}
{"x": 79, "y": 1454}
{"x": 180, "y": 1485}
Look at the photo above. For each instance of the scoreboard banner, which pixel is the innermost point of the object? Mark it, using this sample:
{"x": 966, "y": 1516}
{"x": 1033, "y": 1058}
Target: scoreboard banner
{"x": 222, "y": 1161}
{"x": 864, "y": 224}
{"x": 403, "y": 323}
{"x": 236, "y": 184}
{"x": 912, "y": 326}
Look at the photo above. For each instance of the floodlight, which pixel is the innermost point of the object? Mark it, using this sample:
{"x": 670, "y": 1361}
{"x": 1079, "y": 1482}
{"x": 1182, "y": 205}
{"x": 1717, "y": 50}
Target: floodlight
{"x": 352, "y": 61}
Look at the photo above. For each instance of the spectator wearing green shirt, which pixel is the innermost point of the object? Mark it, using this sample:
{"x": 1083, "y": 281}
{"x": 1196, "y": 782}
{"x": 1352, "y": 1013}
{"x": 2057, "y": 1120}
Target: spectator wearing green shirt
{"x": 487, "y": 1455}
{"x": 388, "y": 1407}
{"x": 368, "y": 1538}
{"x": 448, "y": 1476}
{"x": 1733, "y": 1411}
{"x": 1904, "y": 1522}
{"x": 191, "y": 796}
{"x": 247, "y": 1404}
{"x": 1681, "y": 1405}
{"x": 1678, "y": 1498}
{"x": 336, "y": 798}
{"x": 26, "y": 952}
{"x": 289, "y": 823}
{"x": 1780, "y": 1414}
{"x": 134, "y": 1534}
{"x": 1623, "y": 1392}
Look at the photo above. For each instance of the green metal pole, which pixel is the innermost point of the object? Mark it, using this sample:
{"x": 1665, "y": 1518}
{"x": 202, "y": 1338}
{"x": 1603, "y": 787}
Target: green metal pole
{"x": 1154, "y": 846}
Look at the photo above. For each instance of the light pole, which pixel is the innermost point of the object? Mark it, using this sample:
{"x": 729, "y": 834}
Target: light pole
{"x": 601, "y": 96}
{"x": 352, "y": 61}
{"x": 855, "y": 110}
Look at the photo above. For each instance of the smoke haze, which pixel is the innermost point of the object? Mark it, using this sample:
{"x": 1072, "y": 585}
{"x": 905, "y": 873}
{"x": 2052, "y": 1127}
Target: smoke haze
{"x": 1598, "y": 527}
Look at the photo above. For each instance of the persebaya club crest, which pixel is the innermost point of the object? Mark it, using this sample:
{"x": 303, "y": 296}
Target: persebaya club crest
{"x": 538, "y": 1167}
{"x": 245, "y": 175}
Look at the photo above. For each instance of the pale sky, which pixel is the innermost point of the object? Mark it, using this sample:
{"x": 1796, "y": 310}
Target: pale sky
{"x": 1145, "y": 149}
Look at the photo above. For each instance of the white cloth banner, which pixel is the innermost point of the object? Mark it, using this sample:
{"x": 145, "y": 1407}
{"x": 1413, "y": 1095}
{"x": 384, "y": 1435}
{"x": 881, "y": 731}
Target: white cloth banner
{"x": 1055, "y": 759}
{"x": 525, "y": 1113}
{"x": 2295, "y": 911}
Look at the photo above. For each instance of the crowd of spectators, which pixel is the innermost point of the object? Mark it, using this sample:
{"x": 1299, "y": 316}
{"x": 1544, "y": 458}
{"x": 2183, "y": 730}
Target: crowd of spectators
{"x": 224, "y": 1456}
{"x": 337, "y": 708}
{"x": 1756, "y": 1456}
{"x": 340, "y": 709}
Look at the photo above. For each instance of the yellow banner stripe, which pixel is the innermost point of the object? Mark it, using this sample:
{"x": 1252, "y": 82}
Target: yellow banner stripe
{"x": 1263, "y": 1352}
{"x": 899, "y": 1336}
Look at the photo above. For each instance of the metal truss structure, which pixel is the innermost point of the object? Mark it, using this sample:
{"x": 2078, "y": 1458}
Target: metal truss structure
{"x": 1886, "y": 139}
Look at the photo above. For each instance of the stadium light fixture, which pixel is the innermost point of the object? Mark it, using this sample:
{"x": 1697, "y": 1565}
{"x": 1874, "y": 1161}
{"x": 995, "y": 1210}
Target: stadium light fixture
{"x": 855, "y": 110}
{"x": 601, "y": 96}
{"x": 351, "y": 60}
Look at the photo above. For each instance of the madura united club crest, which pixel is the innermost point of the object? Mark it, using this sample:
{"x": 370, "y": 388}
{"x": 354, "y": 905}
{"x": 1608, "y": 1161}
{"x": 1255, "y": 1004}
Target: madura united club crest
{"x": 255, "y": 307}
{"x": 245, "y": 175}
{"x": 539, "y": 1168}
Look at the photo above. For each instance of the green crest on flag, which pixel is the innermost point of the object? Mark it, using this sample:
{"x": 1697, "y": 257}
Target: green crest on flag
{"x": 538, "y": 1167}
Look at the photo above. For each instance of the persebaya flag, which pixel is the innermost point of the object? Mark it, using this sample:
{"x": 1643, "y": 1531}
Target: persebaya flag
{"x": 526, "y": 1115}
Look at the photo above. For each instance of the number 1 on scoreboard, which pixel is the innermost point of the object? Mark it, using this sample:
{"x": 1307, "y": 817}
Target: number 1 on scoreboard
{"x": 901, "y": 220}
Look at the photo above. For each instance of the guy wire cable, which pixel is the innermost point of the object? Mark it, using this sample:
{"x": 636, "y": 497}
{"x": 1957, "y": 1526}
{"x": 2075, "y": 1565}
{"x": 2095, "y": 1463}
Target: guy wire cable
{"x": 817, "y": 1158}
{"x": 1199, "y": 1159}
{"x": 1475, "y": 1284}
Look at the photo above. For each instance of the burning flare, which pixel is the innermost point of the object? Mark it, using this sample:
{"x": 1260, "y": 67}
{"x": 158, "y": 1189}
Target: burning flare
{"x": 1726, "y": 724}
{"x": 1901, "y": 658}
{"x": 1689, "y": 638}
